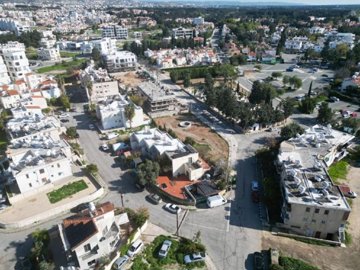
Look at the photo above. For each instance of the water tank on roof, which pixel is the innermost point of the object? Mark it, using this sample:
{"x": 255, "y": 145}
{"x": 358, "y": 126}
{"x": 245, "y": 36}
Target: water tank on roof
{"x": 92, "y": 207}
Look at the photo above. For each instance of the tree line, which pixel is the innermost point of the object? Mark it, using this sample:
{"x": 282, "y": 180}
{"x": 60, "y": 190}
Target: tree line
{"x": 30, "y": 39}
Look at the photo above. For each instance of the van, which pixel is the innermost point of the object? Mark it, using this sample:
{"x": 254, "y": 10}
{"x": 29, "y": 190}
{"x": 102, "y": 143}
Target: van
{"x": 135, "y": 248}
{"x": 111, "y": 135}
{"x": 215, "y": 200}
{"x": 120, "y": 262}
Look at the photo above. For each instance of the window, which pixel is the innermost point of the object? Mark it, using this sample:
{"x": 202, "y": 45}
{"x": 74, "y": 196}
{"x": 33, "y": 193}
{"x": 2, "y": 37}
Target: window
{"x": 323, "y": 222}
{"x": 91, "y": 262}
{"x": 313, "y": 221}
{"x": 41, "y": 171}
{"x": 305, "y": 219}
{"x": 58, "y": 165}
{"x": 87, "y": 247}
{"x": 326, "y": 212}
{"x": 317, "y": 210}
{"x": 307, "y": 209}
{"x": 27, "y": 176}
{"x": 30, "y": 185}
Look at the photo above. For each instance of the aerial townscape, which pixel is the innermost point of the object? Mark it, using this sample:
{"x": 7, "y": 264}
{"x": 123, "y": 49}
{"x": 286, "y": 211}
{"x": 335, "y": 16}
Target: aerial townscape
{"x": 172, "y": 135}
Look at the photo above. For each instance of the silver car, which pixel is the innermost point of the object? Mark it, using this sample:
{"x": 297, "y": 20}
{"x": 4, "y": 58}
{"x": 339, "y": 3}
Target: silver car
{"x": 164, "y": 250}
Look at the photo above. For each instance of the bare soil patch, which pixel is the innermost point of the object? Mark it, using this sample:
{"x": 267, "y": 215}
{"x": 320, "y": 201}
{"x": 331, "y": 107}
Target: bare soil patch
{"x": 326, "y": 258}
{"x": 211, "y": 146}
{"x": 130, "y": 79}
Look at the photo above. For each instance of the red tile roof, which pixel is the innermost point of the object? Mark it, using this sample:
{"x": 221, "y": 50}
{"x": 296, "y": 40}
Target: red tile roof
{"x": 174, "y": 187}
{"x": 12, "y": 92}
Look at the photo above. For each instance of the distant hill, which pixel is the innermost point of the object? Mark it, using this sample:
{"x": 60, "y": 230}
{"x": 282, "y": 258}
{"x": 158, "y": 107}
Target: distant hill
{"x": 224, "y": 3}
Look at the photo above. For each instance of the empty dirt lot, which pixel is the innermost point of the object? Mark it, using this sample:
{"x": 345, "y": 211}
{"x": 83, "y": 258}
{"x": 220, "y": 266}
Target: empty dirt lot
{"x": 129, "y": 79}
{"x": 210, "y": 145}
{"x": 329, "y": 258}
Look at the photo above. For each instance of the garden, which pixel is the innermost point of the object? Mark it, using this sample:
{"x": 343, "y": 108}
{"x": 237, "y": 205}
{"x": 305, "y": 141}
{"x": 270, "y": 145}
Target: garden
{"x": 66, "y": 191}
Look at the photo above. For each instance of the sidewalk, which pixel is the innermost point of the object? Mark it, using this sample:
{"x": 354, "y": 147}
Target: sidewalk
{"x": 37, "y": 207}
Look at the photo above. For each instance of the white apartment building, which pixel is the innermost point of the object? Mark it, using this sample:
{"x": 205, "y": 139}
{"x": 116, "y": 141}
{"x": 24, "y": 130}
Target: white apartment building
{"x": 92, "y": 234}
{"x": 47, "y": 88}
{"x": 111, "y": 113}
{"x": 336, "y": 39}
{"x": 120, "y": 60}
{"x": 15, "y": 59}
{"x": 49, "y": 54}
{"x": 47, "y": 43}
{"x": 155, "y": 143}
{"x": 98, "y": 84}
{"x": 9, "y": 98}
{"x": 313, "y": 205}
{"x": 354, "y": 81}
{"x": 4, "y": 76}
{"x": 115, "y": 31}
{"x": 104, "y": 45}
{"x": 8, "y": 24}
{"x": 183, "y": 32}
{"x": 198, "y": 21}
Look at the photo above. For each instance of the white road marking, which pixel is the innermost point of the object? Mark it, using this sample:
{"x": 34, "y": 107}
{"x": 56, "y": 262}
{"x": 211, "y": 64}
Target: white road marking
{"x": 228, "y": 220}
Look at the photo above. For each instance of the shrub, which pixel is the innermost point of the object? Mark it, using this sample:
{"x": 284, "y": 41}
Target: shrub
{"x": 66, "y": 191}
{"x": 289, "y": 263}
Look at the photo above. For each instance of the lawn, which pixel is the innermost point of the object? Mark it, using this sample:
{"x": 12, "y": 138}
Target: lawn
{"x": 62, "y": 66}
{"x": 338, "y": 170}
{"x": 66, "y": 191}
{"x": 68, "y": 54}
{"x": 203, "y": 149}
{"x": 149, "y": 258}
{"x": 289, "y": 263}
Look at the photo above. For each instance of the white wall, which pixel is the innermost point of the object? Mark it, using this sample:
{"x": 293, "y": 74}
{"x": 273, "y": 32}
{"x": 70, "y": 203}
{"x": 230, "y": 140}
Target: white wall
{"x": 32, "y": 178}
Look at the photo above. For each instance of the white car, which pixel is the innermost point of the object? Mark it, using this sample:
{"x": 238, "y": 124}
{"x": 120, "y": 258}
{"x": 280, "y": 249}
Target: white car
{"x": 351, "y": 194}
{"x": 135, "y": 248}
{"x": 172, "y": 208}
{"x": 254, "y": 186}
{"x": 64, "y": 115}
{"x": 164, "y": 250}
{"x": 195, "y": 257}
{"x": 105, "y": 147}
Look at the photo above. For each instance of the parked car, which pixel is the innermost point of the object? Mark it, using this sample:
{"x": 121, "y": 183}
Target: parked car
{"x": 254, "y": 186}
{"x": 91, "y": 126}
{"x": 120, "y": 262}
{"x": 164, "y": 250}
{"x": 64, "y": 120}
{"x": 351, "y": 194}
{"x": 195, "y": 257}
{"x": 64, "y": 115}
{"x": 172, "y": 208}
{"x": 80, "y": 207}
{"x": 258, "y": 261}
{"x": 154, "y": 198}
{"x": 3, "y": 200}
{"x": 215, "y": 200}
{"x": 135, "y": 248}
{"x": 105, "y": 147}
{"x": 334, "y": 99}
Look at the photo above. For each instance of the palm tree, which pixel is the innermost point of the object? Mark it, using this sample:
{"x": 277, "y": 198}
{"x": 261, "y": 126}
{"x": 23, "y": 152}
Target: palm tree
{"x": 130, "y": 113}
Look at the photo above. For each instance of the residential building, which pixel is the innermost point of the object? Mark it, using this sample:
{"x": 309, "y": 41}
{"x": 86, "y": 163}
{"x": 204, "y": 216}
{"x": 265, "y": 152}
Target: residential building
{"x": 15, "y": 26}
{"x": 92, "y": 234}
{"x": 9, "y": 98}
{"x": 155, "y": 144}
{"x": 49, "y": 54}
{"x": 4, "y": 76}
{"x": 111, "y": 113}
{"x": 313, "y": 205}
{"x": 198, "y": 21}
{"x": 183, "y": 32}
{"x": 158, "y": 100}
{"x": 354, "y": 82}
{"x": 120, "y": 60}
{"x": 115, "y": 31}
{"x": 47, "y": 43}
{"x": 98, "y": 84}
{"x": 15, "y": 59}
{"x": 105, "y": 46}
{"x": 47, "y": 88}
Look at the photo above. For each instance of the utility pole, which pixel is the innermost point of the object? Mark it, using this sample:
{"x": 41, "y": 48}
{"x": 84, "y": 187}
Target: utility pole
{"x": 177, "y": 223}
{"x": 122, "y": 199}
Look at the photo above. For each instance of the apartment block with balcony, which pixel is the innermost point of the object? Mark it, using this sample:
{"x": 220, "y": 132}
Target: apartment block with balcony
{"x": 313, "y": 205}
{"x": 120, "y": 61}
{"x": 183, "y": 32}
{"x": 115, "y": 31}
{"x": 92, "y": 234}
{"x": 4, "y": 76}
{"x": 98, "y": 84}
{"x": 15, "y": 59}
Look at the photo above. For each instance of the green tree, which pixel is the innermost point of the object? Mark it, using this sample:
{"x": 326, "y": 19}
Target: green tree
{"x": 92, "y": 168}
{"x": 295, "y": 82}
{"x": 71, "y": 132}
{"x": 325, "y": 113}
{"x": 130, "y": 113}
{"x": 261, "y": 93}
{"x": 286, "y": 79}
{"x": 287, "y": 106}
{"x": 307, "y": 105}
{"x": 96, "y": 55}
{"x": 290, "y": 131}
{"x": 187, "y": 81}
{"x": 276, "y": 74}
{"x": 63, "y": 101}
{"x": 148, "y": 172}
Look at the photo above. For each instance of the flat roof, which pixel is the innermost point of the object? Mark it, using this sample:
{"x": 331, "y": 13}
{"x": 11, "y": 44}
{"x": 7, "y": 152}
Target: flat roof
{"x": 156, "y": 92}
{"x": 304, "y": 160}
